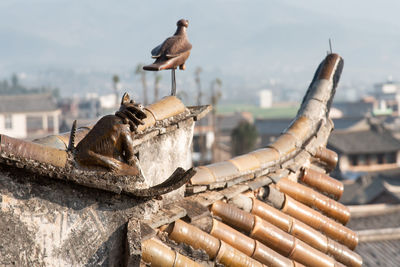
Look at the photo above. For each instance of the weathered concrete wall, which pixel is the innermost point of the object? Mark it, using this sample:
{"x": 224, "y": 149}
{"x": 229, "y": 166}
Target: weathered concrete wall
{"x": 160, "y": 156}
{"x": 50, "y": 223}
{"x": 47, "y": 222}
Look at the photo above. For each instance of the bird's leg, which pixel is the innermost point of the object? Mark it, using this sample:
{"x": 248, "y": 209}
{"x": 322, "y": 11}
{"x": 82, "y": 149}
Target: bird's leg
{"x": 173, "y": 89}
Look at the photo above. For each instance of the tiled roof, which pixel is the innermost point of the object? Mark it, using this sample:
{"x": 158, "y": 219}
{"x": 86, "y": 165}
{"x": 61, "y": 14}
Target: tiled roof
{"x": 368, "y": 188}
{"x": 347, "y": 122}
{"x": 363, "y": 191}
{"x": 389, "y": 219}
{"x": 380, "y": 253}
{"x": 274, "y": 127}
{"x": 359, "y": 108}
{"x": 369, "y": 141}
{"x": 378, "y": 228}
{"x": 271, "y": 126}
{"x": 276, "y": 206}
{"x": 27, "y": 103}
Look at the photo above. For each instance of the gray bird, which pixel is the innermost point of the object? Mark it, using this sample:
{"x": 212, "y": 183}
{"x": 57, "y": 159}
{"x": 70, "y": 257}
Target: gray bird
{"x": 172, "y": 53}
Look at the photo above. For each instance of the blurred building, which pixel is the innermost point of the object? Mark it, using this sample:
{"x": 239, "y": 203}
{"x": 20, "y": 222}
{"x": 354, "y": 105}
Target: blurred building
{"x": 352, "y": 109}
{"x": 29, "y": 115}
{"x": 270, "y": 129}
{"x": 109, "y": 101}
{"x": 265, "y": 98}
{"x": 373, "y": 188}
{"x": 214, "y": 144}
{"x": 203, "y": 140}
{"x": 387, "y": 98}
{"x": 366, "y": 147}
{"x": 85, "y": 110}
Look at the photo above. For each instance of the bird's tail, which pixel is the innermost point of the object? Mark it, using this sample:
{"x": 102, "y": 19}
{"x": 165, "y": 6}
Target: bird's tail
{"x": 162, "y": 65}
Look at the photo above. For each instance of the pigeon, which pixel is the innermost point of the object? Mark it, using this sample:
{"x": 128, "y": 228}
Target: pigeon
{"x": 173, "y": 52}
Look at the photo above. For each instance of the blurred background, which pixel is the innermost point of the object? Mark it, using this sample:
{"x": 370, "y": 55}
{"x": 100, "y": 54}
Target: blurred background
{"x": 250, "y": 45}
{"x": 252, "y": 60}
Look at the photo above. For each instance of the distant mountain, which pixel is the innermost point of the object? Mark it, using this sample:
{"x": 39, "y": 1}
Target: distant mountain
{"x": 245, "y": 43}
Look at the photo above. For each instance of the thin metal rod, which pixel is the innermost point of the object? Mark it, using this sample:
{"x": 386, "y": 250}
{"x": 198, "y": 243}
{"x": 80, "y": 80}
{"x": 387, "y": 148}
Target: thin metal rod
{"x": 330, "y": 45}
{"x": 173, "y": 89}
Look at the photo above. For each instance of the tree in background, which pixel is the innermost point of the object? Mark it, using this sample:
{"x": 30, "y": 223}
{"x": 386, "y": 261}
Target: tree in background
{"x": 14, "y": 81}
{"x": 202, "y": 136}
{"x": 198, "y": 83}
{"x": 116, "y": 86}
{"x": 157, "y": 79}
{"x": 243, "y": 138}
{"x": 139, "y": 70}
{"x": 215, "y": 96}
{"x": 215, "y": 92}
{"x": 16, "y": 88}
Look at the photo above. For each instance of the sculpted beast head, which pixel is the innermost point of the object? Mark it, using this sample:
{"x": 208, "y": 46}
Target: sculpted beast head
{"x": 132, "y": 113}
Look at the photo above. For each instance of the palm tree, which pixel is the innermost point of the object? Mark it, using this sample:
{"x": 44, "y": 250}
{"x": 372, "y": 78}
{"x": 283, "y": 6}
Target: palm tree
{"x": 139, "y": 70}
{"x": 116, "y": 85}
{"x": 215, "y": 96}
{"x": 157, "y": 79}
{"x": 198, "y": 82}
{"x": 14, "y": 81}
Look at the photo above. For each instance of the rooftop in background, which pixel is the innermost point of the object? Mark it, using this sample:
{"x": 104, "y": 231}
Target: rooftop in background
{"x": 378, "y": 230}
{"x": 353, "y": 109}
{"x": 27, "y": 103}
{"x": 364, "y": 141}
{"x": 366, "y": 146}
{"x": 275, "y": 126}
{"x": 380, "y": 253}
{"x": 374, "y": 188}
{"x": 376, "y": 217}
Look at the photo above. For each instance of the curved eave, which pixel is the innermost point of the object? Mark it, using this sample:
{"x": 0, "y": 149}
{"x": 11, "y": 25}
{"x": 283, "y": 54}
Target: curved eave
{"x": 297, "y": 144}
{"x": 292, "y": 175}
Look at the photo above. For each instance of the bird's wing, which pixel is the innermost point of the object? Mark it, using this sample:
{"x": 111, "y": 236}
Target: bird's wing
{"x": 156, "y": 52}
{"x": 178, "y": 47}
{"x": 163, "y": 47}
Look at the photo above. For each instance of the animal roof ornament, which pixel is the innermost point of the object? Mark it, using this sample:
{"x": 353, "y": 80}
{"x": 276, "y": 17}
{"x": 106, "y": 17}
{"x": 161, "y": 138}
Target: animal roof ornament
{"x": 172, "y": 53}
{"x": 105, "y": 155}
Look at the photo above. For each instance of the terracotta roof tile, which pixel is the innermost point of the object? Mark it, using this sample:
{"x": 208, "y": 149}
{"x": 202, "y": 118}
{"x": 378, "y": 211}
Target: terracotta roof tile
{"x": 246, "y": 162}
{"x": 203, "y": 176}
{"x": 285, "y": 144}
{"x": 266, "y": 155}
{"x": 312, "y": 198}
{"x": 167, "y": 107}
{"x": 322, "y": 182}
{"x": 364, "y": 142}
{"x": 162, "y": 256}
{"x": 301, "y": 128}
{"x": 223, "y": 171}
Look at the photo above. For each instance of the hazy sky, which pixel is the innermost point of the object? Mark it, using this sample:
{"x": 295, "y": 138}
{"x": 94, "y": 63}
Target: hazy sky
{"x": 256, "y": 40}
